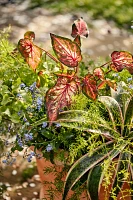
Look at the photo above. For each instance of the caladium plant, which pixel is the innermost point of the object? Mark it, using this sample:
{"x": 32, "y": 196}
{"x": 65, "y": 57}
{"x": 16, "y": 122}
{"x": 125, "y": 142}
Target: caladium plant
{"x": 109, "y": 167}
{"x": 68, "y": 57}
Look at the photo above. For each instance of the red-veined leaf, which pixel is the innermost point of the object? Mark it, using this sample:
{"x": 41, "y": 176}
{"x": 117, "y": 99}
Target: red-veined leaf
{"x": 60, "y": 95}
{"x": 77, "y": 40}
{"x": 67, "y": 51}
{"x": 89, "y": 86}
{"x": 30, "y": 52}
{"x": 121, "y": 60}
{"x": 98, "y": 72}
{"x": 79, "y": 27}
{"x": 29, "y": 35}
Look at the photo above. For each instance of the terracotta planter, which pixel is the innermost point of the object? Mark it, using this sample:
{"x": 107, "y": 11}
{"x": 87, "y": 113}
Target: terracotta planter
{"x": 50, "y": 178}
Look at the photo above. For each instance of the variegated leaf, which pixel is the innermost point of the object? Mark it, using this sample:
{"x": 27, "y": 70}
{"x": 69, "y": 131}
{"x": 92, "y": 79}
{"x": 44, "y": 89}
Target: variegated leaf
{"x": 89, "y": 86}
{"x": 79, "y": 28}
{"x": 60, "y": 96}
{"x": 67, "y": 51}
{"x": 30, "y": 52}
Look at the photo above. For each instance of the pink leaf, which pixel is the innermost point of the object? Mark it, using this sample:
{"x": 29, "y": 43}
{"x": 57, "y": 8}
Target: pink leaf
{"x": 30, "y": 52}
{"x": 79, "y": 28}
{"x": 121, "y": 60}
{"x": 89, "y": 86}
{"x": 98, "y": 72}
{"x": 67, "y": 52}
{"x": 60, "y": 95}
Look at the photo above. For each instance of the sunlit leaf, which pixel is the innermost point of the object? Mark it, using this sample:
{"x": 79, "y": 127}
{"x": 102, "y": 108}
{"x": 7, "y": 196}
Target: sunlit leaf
{"x": 29, "y": 35}
{"x": 114, "y": 110}
{"x": 60, "y": 96}
{"x": 101, "y": 85}
{"x": 98, "y": 72}
{"x": 111, "y": 84}
{"x": 82, "y": 166}
{"x": 79, "y": 28}
{"x": 67, "y": 51}
{"x": 89, "y": 86}
{"x": 121, "y": 60}
{"x": 77, "y": 40}
{"x": 30, "y": 52}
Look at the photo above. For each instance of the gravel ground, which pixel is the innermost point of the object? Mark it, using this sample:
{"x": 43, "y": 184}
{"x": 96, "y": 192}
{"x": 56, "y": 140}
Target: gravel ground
{"x": 104, "y": 36}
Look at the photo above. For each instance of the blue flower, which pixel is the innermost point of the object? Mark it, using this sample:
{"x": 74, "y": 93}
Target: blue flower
{"x": 28, "y": 137}
{"x": 57, "y": 125}
{"x": 131, "y": 86}
{"x": 44, "y": 124}
{"x": 22, "y": 85}
{"x": 5, "y": 161}
{"x": 32, "y": 87}
{"x": 39, "y": 103}
{"x": 24, "y": 119}
{"x": 19, "y": 141}
{"x": 19, "y": 95}
{"x": 129, "y": 79}
{"x": 49, "y": 147}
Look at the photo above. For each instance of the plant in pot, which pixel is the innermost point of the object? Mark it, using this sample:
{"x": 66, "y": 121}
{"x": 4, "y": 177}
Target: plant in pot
{"x": 54, "y": 93}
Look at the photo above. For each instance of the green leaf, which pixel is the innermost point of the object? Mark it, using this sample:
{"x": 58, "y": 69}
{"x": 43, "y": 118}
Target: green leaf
{"x": 114, "y": 110}
{"x": 93, "y": 182}
{"x": 6, "y": 99}
{"x": 83, "y": 165}
{"x": 128, "y": 116}
{"x": 96, "y": 175}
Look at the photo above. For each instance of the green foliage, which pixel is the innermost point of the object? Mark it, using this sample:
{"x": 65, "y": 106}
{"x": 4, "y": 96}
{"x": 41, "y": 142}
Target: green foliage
{"x": 99, "y": 160}
{"x": 110, "y": 10}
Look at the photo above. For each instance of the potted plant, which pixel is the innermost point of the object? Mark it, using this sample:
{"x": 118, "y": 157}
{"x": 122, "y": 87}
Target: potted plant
{"x": 51, "y": 94}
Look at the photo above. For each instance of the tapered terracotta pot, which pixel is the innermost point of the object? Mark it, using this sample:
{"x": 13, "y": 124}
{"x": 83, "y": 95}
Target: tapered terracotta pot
{"x": 50, "y": 178}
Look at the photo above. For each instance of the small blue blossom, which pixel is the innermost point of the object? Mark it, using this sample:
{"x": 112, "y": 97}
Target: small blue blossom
{"x": 5, "y": 161}
{"x": 115, "y": 75}
{"x": 44, "y": 124}
{"x": 49, "y": 147}
{"x": 19, "y": 141}
{"x": 24, "y": 119}
{"x": 129, "y": 79}
{"x": 58, "y": 125}
{"x": 131, "y": 86}
{"x": 39, "y": 103}
{"x": 22, "y": 85}
{"x": 28, "y": 137}
{"x": 32, "y": 87}
{"x": 29, "y": 158}
{"x": 19, "y": 113}
{"x": 19, "y": 95}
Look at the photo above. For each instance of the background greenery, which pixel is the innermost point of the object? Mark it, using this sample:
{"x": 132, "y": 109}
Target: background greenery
{"x": 119, "y": 11}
